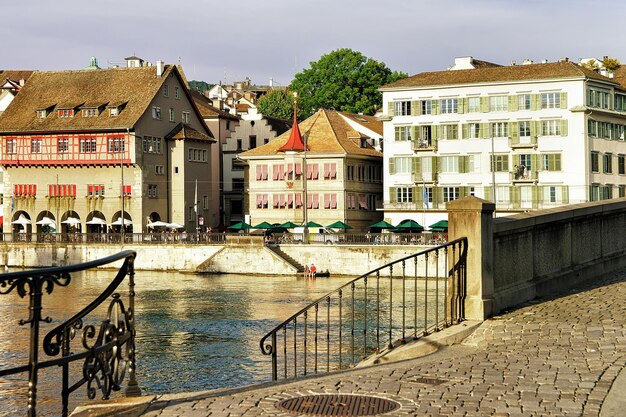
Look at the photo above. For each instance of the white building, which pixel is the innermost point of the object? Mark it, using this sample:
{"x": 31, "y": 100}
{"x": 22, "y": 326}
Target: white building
{"x": 553, "y": 133}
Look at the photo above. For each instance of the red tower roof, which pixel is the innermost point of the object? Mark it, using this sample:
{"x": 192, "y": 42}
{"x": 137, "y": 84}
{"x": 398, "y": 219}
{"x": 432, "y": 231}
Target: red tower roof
{"x": 295, "y": 142}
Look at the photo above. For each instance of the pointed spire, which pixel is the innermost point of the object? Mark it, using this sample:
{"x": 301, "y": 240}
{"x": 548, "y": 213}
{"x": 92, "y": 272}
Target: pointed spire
{"x": 295, "y": 142}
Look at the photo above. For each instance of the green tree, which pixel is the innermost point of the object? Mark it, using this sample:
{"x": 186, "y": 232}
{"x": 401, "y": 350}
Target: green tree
{"x": 200, "y": 86}
{"x": 342, "y": 80}
{"x": 277, "y": 103}
{"x": 611, "y": 64}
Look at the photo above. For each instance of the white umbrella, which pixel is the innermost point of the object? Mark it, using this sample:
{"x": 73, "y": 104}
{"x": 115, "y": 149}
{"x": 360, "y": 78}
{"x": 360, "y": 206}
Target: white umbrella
{"x": 47, "y": 221}
{"x": 21, "y": 220}
{"x": 158, "y": 223}
{"x": 175, "y": 226}
{"x": 118, "y": 222}
{"x": 96, "y": 220}
{"x": 71, "y": 220}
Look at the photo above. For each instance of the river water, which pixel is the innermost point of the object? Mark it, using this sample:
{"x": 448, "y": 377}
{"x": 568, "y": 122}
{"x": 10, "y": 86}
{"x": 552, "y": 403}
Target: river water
{"x": 194, "y": 332}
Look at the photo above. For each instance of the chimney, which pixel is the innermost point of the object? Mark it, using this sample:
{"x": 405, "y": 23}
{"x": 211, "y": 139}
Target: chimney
{"x": 22, "y": 82}
{"x": 513, "y": 63}
{"x": 218, "y": 103}
{"x": 160, "y": 67}
{"x": 544, "y": 61}
{"x": 271, "y": 82}
{"x": 566, "y": 59}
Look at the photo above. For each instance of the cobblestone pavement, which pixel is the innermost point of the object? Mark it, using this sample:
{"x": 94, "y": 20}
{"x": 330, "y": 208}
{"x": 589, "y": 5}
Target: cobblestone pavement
{"x": 555, "y": 357}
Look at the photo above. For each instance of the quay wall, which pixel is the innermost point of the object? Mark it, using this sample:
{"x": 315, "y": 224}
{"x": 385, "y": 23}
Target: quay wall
{"x": 243, "y": 256}
{"x": 517, "y": 258}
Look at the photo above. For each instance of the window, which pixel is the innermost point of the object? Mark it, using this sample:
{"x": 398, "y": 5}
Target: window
{"x": 252, "y": 140}
{"x": 261, "y": 172}
{"x": 35, "y": 146}
{"x": 166, "y": 90}
{"x": 171, "y": 114}
{"x": 404, "y": 194}
{"x": 95, "y": 190}
{"x": 185, "y": 117}
{"x": 11, "y": 146}
{"x": 402, "y": 108}
{"x": 551, "y": 162}
{"x": 427, "y": 107}
{"x": 498, "y": 103}
{"x": 66, "y": 113}
{"x": 607, "y": 192}
{"x": 473, "y": 104}
{"x": 551, "y": 100}
{"x": 196, "y": 155}
{"x": 63, "y": 145}
{"x": 152, "y": 191}
{"x": 592, "y": 128}
{"x": 598, "y": 98}
{"x": 404, "y": 165}
{"x": 116, "y": 145}
{"x": 191, "y": 214}
{"x": 176, "y": 93}
{"x": 594, "y": 192}
{"x": 524, "y": 128}
{"x": 151, "y": 144}
{"x": 621, "y": 167}
{"x": 237, "y": 184}
{"x": 523, "y": 102}
{"x": 550, "y": 127}
{"x": 595, "y": 162}
{"x": 90, "y": 112}
{"x": 449, "y": 131}
{"x": 159, "y": 170}
{"x": 607, "y": 163}
{"x": 526, "y": 161}
{"x": 205, "y": 202}
{"x": 403, "y": 133}
{"x": 239, "y": 144}
{"x": 113, "y": 111}
{"x": 350, "y": 172}
{"x": 473, "y": 163}
{"x": 622, "y": 190}
{"x": 450, "y": 193}
{"x": 499, "y": 163}
{"x": 499, "y": 129}
{"x": 330, "y": 171}
{"x": 87, "y": 145}
{"x": 473, "y": 130}
{"x": 156, "y": 113}
{"x": 449, "y": 105}
{"x": 41, "y": 114}
{"x": 449, "y": 164}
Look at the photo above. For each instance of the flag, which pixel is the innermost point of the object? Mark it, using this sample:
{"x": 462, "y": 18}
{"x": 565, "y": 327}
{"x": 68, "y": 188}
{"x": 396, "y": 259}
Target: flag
{"x": 195, "y": 199}
{"x": 12, "y": 203}
{"x": 426, "y": 197}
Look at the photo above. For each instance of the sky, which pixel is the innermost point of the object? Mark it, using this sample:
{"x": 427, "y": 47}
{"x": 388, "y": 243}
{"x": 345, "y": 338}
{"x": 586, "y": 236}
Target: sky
{"x": 262, "y": 39}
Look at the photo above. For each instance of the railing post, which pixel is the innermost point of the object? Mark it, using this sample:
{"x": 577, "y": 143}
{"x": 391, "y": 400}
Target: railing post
{"x": 132, "y": 390}
{"x": 33, "y": 357}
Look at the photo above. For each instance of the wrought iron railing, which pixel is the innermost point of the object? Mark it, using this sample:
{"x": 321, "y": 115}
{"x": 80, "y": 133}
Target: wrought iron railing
{"x": 402, "y": 300}
{"x": 107, "y": 350}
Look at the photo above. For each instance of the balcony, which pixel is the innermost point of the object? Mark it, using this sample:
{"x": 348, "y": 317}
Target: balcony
{"x": 523, "y": 175}
{"x": 423, "y": 145}
{"x": 522, "y": 142}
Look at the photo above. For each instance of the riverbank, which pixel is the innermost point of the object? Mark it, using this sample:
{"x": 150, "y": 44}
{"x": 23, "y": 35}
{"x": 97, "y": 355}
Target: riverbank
{"x": 242, "y": 257}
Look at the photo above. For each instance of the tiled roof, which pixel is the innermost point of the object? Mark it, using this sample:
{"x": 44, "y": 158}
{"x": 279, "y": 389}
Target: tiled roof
{"x": 134, "y": 86}
{"x": 186, "y": 132}
{"x": 326, "y": 133}
{"x": 279, "y": 126}
{"x": 15, "y": 75}
{"x": 206, "y": 108}
{"x": 368, "y": 122}
{"x": 546, "y": 71}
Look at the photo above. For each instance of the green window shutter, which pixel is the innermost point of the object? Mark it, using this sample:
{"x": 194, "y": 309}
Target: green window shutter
{"x": 533, "y": 128}
{"x": 434, "y": 166}
{"x": 536, "y": 162}
{"x": 536, "y": 193}
{"x": 397, "y": 133}
{"x": 513, "y": 103}
{"x": 463, "y": 164}
{"x": 515, "y": 195}
{"x": 516, "y": 159}
{"x": 418, "y": 132}
{"x": 392, "y": 166}
{"x": 415, "y": 108}
{"x": 484, "y": 104}
{"x": 418, "y": 109}
{"x": 390, "y": 109}
{"x": 417, "y": 165}
{"x": 514, "y": 129}
{"x": 564, "y": 127}
{"x": 484, "y": 130}
{"x": 418, "y": 196}
{"x": 488, "y": 193}
{"x": 535, "y": 102}
{"x": 461, "y": 105}
{"x": 392, "y": 194}
{"x": 564, "y": 100}
{"x": 565, "y": 194}
{"x": 465, "y": 131}
{"x": 434, "y": 106}
{"x": 414, "y": 131}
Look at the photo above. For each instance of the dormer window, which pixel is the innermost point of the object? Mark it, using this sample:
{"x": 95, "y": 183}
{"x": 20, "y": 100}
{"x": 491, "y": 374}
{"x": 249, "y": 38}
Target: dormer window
{"x": 66, "y": 112}
{"x": 41, "y": 114}
{"x": 114, "y": 111}
{"x": 91, "y": 112}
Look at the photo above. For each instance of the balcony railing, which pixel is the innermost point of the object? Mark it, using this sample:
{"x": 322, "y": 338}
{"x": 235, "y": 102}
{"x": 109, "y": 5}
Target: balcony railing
{"x": 423, "y": 145}
{"x": 383, "y": 308}
{"x": 106, "y": 349}
{"x": 523, "y": 142}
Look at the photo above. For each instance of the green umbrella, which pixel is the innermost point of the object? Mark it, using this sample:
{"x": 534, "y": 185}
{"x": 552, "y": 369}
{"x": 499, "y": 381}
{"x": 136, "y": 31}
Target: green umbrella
{"x": 339, "y": 225}
{"x": 409, "y": 226}
{"x": 440, "y": 226}
{"x": 263, "y": 225}
{"x": 313, "y": 224}
{"x": 382, "y": 225}
{"x": 239, "y": 226}
{"x": 288, "y": 225}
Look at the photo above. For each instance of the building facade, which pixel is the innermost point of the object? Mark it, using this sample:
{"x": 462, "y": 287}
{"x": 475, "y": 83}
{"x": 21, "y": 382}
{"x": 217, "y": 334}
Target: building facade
{"x": 337, "y": 175}
{"x": 86, "y": 149}
{"x": 526, "y": 136}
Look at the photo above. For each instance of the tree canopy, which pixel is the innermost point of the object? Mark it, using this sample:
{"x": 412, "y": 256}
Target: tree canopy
{"x": 342, "y": 80}
{"x": 200, "y": 86}
{"x": 277, "y": 103}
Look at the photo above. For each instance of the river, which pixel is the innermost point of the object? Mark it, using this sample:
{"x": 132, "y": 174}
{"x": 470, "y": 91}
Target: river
{"x": 194, "y": 332}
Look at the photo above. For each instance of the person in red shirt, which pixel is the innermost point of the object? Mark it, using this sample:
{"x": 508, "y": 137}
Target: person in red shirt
{"x": 312, "y": 270}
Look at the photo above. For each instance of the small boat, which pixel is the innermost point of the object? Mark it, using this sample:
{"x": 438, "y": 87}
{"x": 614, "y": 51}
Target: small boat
{"x": 322, "y": 274}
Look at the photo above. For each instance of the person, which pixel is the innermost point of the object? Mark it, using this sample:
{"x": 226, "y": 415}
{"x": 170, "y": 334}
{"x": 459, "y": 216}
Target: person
{"x": 312, "y": 270}
{"x": 307, "y": 272}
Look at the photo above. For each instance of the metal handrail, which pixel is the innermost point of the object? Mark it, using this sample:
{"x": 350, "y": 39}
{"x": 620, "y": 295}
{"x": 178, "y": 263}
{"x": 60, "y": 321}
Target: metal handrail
{"x": 373, "y": 303}
{"x": 108, "y": 351}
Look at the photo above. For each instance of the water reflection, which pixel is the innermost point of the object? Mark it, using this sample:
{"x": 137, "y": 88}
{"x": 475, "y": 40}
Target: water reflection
{"x": 194, "y": 332}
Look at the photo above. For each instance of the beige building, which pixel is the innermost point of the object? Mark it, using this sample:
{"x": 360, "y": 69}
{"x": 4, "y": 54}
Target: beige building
{"x": 338, "y": 177}
{"x": 86, "y": 148}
